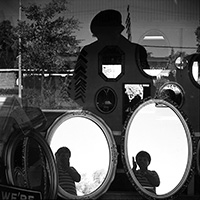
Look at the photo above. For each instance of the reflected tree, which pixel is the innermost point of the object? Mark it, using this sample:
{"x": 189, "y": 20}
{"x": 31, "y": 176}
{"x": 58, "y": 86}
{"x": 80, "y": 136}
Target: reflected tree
{"x": 8, "y": 45}
{"x": 47, "y": 43}
{"x": 197, "y": 33}
{"x": 89, "y": 184}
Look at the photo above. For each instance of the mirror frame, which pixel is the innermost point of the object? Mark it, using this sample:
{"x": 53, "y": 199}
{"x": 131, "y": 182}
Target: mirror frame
{"x": 191, "y": 152}
{"x": 111, "y": 145}
{"x": 198, "y": 157}
{"x": 179, "y": 87}
{"x": 194, "y": 57}
{"x": 9, "y": 159}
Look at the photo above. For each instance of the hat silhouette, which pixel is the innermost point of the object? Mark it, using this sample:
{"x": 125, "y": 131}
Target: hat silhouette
{"x": 106, "y": 19}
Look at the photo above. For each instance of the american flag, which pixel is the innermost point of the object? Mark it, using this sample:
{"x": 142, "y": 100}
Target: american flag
{"x": 128, "y": 24}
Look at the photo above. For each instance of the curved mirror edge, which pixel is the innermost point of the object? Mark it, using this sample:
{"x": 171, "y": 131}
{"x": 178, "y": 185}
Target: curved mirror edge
{"x": 173, "y": 93}
{"x": 194, "y": 69}
{"x": 9, "y": 159}
{"x": 198, "y": 158}
{"x": 113, "y": 154}
{"x": 192, "y": 146}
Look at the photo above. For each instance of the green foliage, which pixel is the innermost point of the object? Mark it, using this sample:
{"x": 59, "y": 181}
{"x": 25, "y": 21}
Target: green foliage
{"x": 89, "y": 183}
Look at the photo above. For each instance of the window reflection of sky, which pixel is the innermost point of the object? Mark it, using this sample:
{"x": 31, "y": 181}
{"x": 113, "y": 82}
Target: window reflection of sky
{"x": 88, "y": 145}
{"x": 161, "y": 133}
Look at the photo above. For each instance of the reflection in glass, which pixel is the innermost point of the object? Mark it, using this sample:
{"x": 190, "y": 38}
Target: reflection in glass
{"x": 67, "y": 174}
{"x": 36, "y": 167}
{"x": 132, "y": 95}
{"x": 112, "y": 70}
{"x": 196, "y": 71}
{"x": 172, "y": 92}
{"x": 111, "y": 62}
{"x": 106, "y": 100}
{"x": 166, "y": 137}
{"x": 89, "y": 149}
{"x": 149, "y": 179}
{"x": 181, "y": 62}
{"x": 19, "y": 179}
{"x": 198, "y": 157}
{"x": 31, "y": 164}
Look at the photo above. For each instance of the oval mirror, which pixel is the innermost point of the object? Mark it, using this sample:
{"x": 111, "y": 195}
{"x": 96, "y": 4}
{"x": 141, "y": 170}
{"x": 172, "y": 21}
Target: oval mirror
{"x": 30, "y": 164}
{"x": 173, "y": 92}
{"x": 165, "y": 146}
{"x": 93, "y": 154}
{"x": 194, "y": 69}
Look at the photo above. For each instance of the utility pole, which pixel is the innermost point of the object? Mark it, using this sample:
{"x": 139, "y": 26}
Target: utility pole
{"x": 20, "y": 56}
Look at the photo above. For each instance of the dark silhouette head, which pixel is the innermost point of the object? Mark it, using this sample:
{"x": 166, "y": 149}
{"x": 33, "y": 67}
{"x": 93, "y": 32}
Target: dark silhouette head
{"x": 107, "y": 21}
{"x": 63, "y": 150}
{"x": 143, "y": 154}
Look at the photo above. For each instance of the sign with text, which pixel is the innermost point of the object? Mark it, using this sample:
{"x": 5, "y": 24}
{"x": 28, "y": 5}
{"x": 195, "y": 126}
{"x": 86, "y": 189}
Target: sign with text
{"x": 15, "y": 193}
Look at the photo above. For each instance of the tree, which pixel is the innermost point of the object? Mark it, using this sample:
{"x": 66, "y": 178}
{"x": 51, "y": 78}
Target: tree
{"x": 197, "y": 33}
{"x": 8, "y": 45}
{"x": 47, "y": 39}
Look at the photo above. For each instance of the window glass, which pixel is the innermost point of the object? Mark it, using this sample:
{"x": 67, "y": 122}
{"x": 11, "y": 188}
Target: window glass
{"x": 62, "y": 56}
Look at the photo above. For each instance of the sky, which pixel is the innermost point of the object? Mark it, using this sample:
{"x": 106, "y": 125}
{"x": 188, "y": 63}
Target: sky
{"x": 85, "y": 10}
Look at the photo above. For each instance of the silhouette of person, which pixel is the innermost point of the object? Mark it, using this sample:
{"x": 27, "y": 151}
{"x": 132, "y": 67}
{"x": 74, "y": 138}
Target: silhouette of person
{"x": 147, "y": 178}
{"x": 111, "y": 61}
{"x": 106, "y": 27}
{"x": 67, "y": 175}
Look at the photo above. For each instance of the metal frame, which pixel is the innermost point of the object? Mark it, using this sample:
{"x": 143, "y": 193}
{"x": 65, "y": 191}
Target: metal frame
{"x": 191, "y": 152}
{"x": 112, "y": 151}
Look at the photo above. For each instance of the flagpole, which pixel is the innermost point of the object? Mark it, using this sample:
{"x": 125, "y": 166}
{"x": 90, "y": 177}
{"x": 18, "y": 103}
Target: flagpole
{"x": 20, "y": 56}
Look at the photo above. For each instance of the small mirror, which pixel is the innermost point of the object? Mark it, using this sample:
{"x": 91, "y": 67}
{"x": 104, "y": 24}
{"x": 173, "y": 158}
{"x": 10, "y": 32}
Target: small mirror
{"x": 194, "y": 69}
{"x": 111, "y": 63}
{"x": 173, "y": 92}
{"x": 92, "y": 155}
{"x": 181, "y": 62}
{"x": 158, "y": 156}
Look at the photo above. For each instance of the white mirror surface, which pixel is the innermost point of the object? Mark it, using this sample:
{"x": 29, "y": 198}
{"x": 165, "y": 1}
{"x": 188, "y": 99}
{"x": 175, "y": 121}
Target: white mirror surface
{"x": 87, "y": 138}
{"x": 196, "y": 71}
{"x": 159, "y": 129}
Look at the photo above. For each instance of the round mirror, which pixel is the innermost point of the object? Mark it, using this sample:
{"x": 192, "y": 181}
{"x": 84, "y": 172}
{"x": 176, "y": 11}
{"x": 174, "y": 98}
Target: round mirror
{"x": 158, "y": 157}
{"x": 92, "y": 154}
{"x": 181, "y": 62}
{"x": 30, "y": 164}
{"x": 173, "y": 92}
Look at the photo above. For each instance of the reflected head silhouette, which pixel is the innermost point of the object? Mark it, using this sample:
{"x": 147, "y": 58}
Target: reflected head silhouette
{"x": 107, "y": 22}
{"x": 143, "y": 155}
{"x": 67, "y": 174}
{"x": 149, "y": 179}
{"x": 63, "y": 150}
